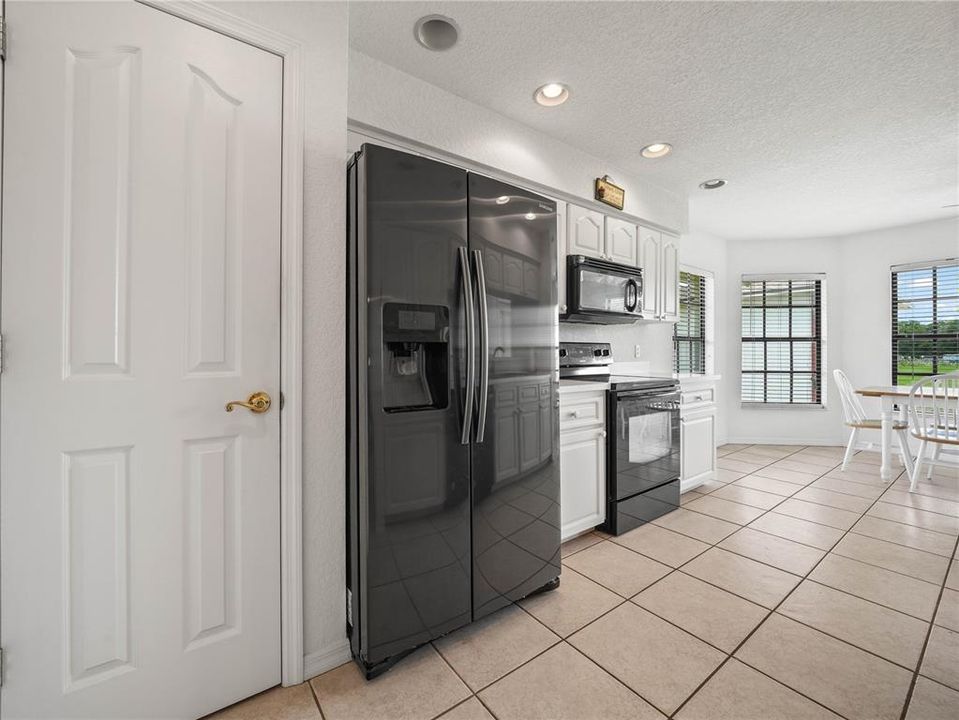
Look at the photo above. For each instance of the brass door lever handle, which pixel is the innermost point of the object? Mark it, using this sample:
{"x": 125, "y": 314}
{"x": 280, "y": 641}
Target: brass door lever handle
{"x": 258, "y": 402}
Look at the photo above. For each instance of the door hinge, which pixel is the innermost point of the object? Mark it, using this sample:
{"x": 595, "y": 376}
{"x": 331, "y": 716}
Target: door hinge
{"x": 3, "y": 39}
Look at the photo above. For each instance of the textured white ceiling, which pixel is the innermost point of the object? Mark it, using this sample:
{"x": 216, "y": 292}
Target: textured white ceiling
{"x": 825, "y": 117}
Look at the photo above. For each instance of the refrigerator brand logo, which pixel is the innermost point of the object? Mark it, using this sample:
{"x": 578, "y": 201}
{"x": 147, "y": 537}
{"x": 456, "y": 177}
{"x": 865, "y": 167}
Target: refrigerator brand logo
{"x": 544, "y": 206}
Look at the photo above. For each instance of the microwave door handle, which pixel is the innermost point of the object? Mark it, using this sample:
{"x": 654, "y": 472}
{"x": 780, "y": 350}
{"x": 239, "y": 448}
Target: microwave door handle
{"x": 632, "y": 294}
{"x": 470, "y": 345}
{"x": 484, "y": 346}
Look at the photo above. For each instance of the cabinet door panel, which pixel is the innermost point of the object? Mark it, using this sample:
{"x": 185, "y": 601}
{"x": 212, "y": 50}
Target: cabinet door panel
{"x": 670, "y": 278}
{"x": 585, "y": 236}
{"x": 621, "y": 245}
{"x": 650, "y": 242}
{"x": 507, "y": 443}
{"x": 583, "y": 481}
{"x": 698, "y": 440}
{"x": 529, "y": 438}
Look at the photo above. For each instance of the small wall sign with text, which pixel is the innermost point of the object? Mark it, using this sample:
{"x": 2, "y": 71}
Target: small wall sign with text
{"x": 608, "y": 193}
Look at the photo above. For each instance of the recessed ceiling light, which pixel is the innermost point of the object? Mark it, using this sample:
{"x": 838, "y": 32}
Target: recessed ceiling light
{"x": 551, "y": 94}
{"x": 502, "y": 199}
{"x": 436, "y": 32}
{"x": 530, "y": 216}
{"x": 656, "y": 150}
{"x": 714, "y": 184}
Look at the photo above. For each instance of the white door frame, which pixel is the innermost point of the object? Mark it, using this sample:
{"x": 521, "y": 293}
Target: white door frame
{"x": 291, "y": 324}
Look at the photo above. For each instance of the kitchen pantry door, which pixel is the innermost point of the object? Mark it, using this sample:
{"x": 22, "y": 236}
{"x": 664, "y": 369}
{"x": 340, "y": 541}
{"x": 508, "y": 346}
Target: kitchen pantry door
{"x": 140, "y": 522}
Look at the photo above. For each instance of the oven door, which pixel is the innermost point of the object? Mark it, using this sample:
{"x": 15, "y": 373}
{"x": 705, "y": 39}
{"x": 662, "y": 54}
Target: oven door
{"x": 644, "y": 450}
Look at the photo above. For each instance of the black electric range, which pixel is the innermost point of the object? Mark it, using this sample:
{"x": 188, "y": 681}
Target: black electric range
{"x": 642, "y": 436}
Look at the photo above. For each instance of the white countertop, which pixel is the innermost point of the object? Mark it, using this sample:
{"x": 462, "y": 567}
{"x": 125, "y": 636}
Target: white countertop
{"x": 568, "y": 386}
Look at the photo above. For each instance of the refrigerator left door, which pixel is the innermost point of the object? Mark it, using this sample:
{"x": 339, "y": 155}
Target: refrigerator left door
{"x": 409, "y": 475}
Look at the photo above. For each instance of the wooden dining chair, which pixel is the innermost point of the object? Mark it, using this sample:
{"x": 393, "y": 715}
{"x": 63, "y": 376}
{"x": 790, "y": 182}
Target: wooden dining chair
{"x": 855, "y": 418}
{"x": 934, "y": 419}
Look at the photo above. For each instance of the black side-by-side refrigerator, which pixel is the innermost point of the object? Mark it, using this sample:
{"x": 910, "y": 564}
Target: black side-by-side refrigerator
{"x": 453, "y": 396}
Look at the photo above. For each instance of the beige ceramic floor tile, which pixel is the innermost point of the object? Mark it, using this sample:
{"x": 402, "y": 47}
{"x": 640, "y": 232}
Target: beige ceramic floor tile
{"x": 472, "y": 709}
{"x": 948, "y": 613}
{"x": 768, "y": 485}
{"x": 908, "y": 535}
{"x": 731, "y": 448}
{"x": 737, "y": 692}
{"x": 749, "y": 496}
{"x": 281, "y": 703}
{"x": 696, "y": 525}
{"x": 887, "y": 633}
{"x": 952, "y": 579}
{"x": 561, "y": 684}
{"x": 834, "y": 499}
{"x": 486, "y": 650}
{"x": 727, "y": 463}
{"x": 899, "y": 592}
{"x": 689, "y": 496}
{"x": 791, "y": 476}
{"x": 728, "y": 476}
{"x": 792, "y": 463}
{"x": 810, "y": 458}
{"x": 773, "y": 550}
{"x": 847, "y": 487}
{"x": 750, "y": 457}
{"x": 869, "y": 479}
{"x": 616, "y": 568}
{"x": 580, "y": 542}
{"x": 725, "y": 510}
{"x": 921, "y": 502}
{"x": 775, "y": 451}
{"x": 918, "y": 518}
{"x": 711, "y": 614}
{"x": 941, "y": 661}
{"x": 801, "y": 531}
{"x": 747, "y": 578}
{"x": 938, "y": 489}
{"x": 661, "y": 544}
{"x": 833, "y": 517}
{"x": 852, "y": 682}
{"x": 657, "y": 660}
{"x": 932, "y": 701}
{"x": 710, "y": 486}
{"x": 421, "y": 686}
{"x": 576, "y": 602}
{"x": 906, "y": 560}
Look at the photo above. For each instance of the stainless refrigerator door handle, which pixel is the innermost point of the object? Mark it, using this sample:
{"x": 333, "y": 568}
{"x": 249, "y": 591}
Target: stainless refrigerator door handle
{"x": 484, "y": 346}
{"x": 470, "y": 344}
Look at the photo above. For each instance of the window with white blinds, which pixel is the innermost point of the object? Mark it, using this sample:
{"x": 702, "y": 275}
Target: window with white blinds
{"x": 925, "y": 320}
{"x": 689, "y": 333}
{"x": 782, "y": 339}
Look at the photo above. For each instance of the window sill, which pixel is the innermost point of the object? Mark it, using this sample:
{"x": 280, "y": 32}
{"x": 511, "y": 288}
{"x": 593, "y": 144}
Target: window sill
{"x": 780, "y": 406}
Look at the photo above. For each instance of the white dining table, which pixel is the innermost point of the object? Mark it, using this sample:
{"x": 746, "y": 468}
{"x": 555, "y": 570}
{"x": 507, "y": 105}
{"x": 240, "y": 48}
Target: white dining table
{"x": 890, "y": 397}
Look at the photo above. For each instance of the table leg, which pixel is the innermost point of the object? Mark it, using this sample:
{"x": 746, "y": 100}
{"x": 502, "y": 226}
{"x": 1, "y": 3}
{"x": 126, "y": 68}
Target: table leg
{"x": 885, "y": 470}
{"x": 904, "y": 418}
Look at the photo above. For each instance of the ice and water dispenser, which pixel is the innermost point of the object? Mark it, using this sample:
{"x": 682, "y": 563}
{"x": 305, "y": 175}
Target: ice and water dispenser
{"x": 416, "y": 371}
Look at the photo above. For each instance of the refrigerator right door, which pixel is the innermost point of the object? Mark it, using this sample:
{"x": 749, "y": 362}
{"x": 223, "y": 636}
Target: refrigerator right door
{"x": 515, "y": 459}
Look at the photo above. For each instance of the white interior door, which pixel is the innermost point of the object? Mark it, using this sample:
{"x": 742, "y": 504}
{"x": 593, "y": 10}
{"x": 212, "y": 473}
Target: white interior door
{"x": 140, "y": 293}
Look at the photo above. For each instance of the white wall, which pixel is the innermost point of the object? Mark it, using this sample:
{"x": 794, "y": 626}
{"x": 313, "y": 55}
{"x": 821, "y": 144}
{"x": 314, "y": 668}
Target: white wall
{"x": 858, "y": 317}
{"x": 699, "y": 250}
{"x": 324, "y": 32}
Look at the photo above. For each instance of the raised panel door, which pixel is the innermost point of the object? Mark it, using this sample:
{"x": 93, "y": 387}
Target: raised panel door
{"x": 670, "y": 278}
{"x": 621, "y": 245}
{"x": 650, "y": 249}
{"x": 583, "y": 463}
{"x": 585, "y": 234}
{"x": 698, "y": 443}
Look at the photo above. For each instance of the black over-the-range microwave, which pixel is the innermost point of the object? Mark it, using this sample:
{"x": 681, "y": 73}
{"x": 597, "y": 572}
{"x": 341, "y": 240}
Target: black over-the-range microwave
{"x": 601, "y": 292}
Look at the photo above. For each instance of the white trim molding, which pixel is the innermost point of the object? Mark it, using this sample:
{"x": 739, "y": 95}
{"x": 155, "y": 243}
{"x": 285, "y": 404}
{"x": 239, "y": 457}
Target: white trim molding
{"x": 291, "y": 309}
{"x": 320, "y": 661}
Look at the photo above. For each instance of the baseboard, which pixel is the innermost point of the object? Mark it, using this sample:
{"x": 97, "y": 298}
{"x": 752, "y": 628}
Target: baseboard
{"x": 319, "y": 662}
{"x": 786, "y": 440}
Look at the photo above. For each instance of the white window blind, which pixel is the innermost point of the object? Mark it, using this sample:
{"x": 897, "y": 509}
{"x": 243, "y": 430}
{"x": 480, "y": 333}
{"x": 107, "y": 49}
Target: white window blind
{"x": 782, "y": 340}
{"x": 925, "y": 320}
{"x": 689, "y": 332}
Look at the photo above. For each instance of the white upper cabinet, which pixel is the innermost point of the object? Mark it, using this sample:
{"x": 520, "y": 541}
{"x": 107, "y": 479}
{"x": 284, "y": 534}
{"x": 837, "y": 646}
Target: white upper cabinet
{"x": 620, "y": 241}
{"x": 669, "y": 310}
{"x": 650, "y": 249}
{"x": 585, "y": 235}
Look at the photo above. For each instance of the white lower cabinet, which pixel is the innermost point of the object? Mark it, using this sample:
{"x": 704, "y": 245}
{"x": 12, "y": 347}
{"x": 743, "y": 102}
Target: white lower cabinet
{"x": 697, "y": 432}
{"x": 582, "y": 444}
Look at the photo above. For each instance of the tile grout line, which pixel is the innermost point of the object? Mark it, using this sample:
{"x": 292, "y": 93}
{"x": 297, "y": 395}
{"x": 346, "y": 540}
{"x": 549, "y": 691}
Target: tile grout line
{"x": 763, "y": 622}
{"x": 925, "y": 644}
{"x": 316, "y": 699}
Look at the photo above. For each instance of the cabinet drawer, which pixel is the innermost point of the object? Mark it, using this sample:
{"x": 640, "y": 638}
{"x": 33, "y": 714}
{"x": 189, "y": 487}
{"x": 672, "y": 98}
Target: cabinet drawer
{"x": 698, "y": 397}
{"x": 582, "y": 412}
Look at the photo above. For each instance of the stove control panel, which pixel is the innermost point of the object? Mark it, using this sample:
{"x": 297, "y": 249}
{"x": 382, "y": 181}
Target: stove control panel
{"x": 573, "y": 354}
